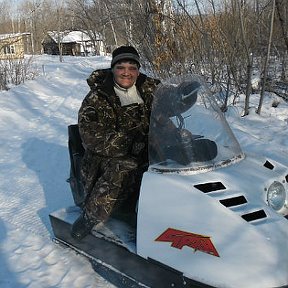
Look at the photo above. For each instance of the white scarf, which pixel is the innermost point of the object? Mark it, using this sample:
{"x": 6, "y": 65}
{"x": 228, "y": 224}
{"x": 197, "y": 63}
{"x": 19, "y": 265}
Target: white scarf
{"x": 128, "y": 96}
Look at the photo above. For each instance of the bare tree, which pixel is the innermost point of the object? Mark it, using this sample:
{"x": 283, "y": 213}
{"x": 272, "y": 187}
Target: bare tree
{"x": 248, "y": 53}
{"x": 267, "y": 59}
{"x": 60, "y": 20}
{"x": 281, "y": 7}
{"x": 6, "y": 17}
{"x": 282, "y": 13}
{"x": 111, "y": 24}
{"x": 218, "y": 39}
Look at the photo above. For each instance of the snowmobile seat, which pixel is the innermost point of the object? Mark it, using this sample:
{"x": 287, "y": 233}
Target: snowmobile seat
{"x": 76, "y": 152}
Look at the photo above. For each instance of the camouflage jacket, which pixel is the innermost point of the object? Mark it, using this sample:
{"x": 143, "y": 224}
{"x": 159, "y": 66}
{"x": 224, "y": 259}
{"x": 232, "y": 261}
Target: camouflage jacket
{"x": 109, "y": 130}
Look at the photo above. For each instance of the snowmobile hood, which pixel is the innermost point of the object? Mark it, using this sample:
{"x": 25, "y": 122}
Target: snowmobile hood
{"x": 188, "y": 131}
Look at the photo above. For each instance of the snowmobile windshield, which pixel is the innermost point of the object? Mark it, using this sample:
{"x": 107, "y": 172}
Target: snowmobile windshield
{"x": 188, "y": 131}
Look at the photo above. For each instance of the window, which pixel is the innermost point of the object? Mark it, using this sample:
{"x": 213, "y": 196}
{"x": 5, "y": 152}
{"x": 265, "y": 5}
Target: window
{"x": 9, "y": 49}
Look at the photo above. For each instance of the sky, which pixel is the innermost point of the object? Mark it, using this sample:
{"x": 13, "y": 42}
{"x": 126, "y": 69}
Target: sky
{"x": 34, "y": 167}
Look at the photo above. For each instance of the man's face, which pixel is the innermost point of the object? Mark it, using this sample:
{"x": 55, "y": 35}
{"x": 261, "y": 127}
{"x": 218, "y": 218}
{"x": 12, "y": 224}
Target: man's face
{"x": 125, "y": 73}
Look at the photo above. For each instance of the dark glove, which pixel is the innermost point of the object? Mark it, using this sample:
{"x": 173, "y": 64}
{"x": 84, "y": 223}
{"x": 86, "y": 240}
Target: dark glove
{"x": 139, "y": 143}
{"x": 187, "y": 95}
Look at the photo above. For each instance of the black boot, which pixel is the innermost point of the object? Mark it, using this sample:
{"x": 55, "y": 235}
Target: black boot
{"x": 81, "y": 227}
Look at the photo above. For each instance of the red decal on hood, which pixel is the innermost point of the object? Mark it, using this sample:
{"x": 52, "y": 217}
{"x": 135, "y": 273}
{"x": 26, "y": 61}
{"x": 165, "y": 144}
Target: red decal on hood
{"x": 180, "y": 238}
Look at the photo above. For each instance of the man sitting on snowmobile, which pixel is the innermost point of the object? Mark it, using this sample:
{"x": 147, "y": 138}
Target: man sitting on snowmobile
{"x": 113, "y": 123}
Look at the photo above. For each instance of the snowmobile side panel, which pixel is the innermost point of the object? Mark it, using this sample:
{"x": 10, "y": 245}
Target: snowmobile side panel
{"x": 115, "y": 262}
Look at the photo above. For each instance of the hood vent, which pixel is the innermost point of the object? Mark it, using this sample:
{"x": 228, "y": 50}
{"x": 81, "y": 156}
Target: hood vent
{"x": 210, "y": 187}
{"x": 234, "y": 201}
{"x": 256, "y": 215}
{"x": 268, "y": 165}
{"x": 237, "y": 203}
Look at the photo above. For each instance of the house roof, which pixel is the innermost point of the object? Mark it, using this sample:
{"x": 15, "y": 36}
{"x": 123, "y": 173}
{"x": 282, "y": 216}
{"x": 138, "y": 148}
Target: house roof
{"x": 71, "y": 36}
{"x": 13, "y": 35}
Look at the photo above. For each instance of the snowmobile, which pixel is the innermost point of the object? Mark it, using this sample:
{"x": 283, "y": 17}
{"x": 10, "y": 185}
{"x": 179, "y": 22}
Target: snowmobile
{"x": 208, "y": 214}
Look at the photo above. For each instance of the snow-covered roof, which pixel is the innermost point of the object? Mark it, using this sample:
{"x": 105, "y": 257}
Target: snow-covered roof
{"x": 71, "y": 36}
{"x": 12, "y": 35}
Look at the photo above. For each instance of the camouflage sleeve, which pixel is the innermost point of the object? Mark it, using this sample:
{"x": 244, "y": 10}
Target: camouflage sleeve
{"x": 98, "y": 128}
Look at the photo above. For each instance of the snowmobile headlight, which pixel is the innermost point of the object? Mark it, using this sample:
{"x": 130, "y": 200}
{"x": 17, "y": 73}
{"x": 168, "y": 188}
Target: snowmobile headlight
{"x": 276, "y": 195}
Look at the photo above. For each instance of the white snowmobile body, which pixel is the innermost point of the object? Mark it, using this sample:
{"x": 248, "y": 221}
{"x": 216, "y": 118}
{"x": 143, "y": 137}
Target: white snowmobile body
{"x": 212, "y": 220}
{"x": 208, "y": 214}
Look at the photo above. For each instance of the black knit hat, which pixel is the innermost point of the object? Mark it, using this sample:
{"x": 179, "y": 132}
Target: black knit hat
{"x": 125, "y": 53}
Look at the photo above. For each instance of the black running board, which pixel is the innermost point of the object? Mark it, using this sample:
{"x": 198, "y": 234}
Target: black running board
{"x": 116, "y": 264}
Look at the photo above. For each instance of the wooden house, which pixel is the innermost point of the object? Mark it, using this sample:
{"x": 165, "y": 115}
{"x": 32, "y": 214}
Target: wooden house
{"x": 73, "y": 43}
{"x": 15, "y": 45}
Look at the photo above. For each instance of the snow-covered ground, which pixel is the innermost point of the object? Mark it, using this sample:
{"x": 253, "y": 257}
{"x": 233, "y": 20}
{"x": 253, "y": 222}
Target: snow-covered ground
{"x": 35, "y": 165}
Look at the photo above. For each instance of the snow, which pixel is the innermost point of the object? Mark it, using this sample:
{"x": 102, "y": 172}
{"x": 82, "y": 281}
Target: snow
{"x": 35, "y": 165}
{"x": 12, "y": 35}
{"x": 72, "y": 36}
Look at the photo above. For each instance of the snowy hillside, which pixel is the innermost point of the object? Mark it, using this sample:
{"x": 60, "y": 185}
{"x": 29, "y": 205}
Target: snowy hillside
{"x": 35, "y": 165}
{"x": 34, "y": 168}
